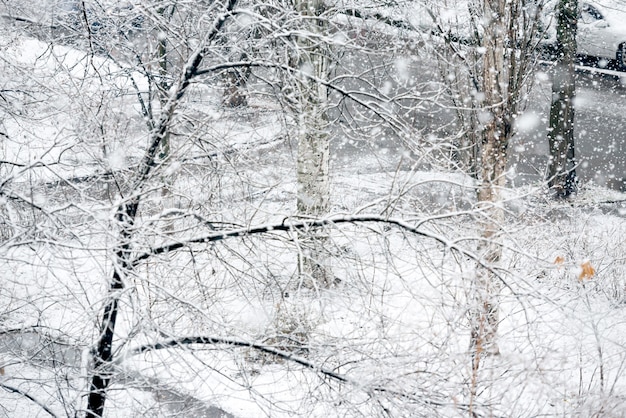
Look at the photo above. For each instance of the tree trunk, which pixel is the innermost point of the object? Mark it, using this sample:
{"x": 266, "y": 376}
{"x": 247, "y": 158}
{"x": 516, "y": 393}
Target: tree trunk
{"x": 496, "y": 134}
{"x": 313, "y": 194}
{"x": 163, "y": 87}
{"x": 235, "y": 82}
{"x": 125, "y": 218}
{"x": 562, "y": 164}
{"x": 103, "y": 353}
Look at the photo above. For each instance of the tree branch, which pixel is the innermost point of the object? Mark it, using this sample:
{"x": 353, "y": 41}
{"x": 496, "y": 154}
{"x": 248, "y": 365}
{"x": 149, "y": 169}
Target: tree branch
{"x": 284, "y": 355}
{"x": 29, "y": 397}
{"x": 396, "y": 23}
{"x": 286, "y": 226}
{"x": 190, "y": 71}
{"x": 388, "y": 118}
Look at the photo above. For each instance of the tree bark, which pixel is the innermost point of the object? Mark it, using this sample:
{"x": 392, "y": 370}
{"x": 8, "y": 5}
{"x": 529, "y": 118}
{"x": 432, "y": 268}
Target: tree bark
{"x": 163, "y": 87}
{"x": 103, "y": 353}
{"x": 562, "y": 165}
{"x": 495, "y": 137}
{"x": 313, "y": 194}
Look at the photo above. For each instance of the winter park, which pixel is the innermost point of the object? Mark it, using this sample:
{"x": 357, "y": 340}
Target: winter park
{"x": 308, "y": 208}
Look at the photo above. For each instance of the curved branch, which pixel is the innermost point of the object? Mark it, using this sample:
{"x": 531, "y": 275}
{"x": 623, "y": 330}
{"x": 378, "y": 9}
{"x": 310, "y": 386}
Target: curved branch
{"x": 388, "y": 118}
{"x": 190, "y": 71}
{"x": 284, "y": 355}
{"x": 29, "y": 397}
{"x": 287, "y": 226}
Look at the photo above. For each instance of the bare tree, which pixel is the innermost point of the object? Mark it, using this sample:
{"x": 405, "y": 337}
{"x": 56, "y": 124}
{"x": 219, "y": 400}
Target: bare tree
{"x": 493, "y": 61}
{"x": 125, "y": 304}
{"x": 496, "y": 133}
{"x": 125, "y": 218}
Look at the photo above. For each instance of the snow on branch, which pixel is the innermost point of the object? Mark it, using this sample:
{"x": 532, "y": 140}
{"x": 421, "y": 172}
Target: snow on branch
{"x": 284, "y": 355}
{"x": 288, "y": 225}
{"x": 29, "y": 397}
{"x": 190, "y": 71}
{"x": 359, "y": 97}
{"x": 396, "y": 23}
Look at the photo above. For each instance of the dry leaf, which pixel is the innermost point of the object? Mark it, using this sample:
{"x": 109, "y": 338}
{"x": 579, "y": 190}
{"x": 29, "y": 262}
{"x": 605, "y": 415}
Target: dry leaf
{"x": 559, "y": 260}
{"x": 586, "y": 271}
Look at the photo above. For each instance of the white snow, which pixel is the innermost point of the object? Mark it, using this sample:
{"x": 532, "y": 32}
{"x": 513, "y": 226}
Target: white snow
{"x": 395, "y": 325}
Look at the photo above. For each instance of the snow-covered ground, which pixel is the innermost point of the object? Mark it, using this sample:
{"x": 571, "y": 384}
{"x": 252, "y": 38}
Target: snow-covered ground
{"x": 391, "y": 338}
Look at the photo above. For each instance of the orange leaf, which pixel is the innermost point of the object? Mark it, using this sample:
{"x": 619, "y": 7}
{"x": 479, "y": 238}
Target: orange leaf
{"x": 559, "y": 260}
{"x": 587, "y": 271}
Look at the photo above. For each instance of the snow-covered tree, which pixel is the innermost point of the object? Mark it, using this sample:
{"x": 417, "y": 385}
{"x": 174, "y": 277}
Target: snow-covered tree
{"x": 311, "y": 104}
{"x": 493, "y": 45}
{"x": 118, "y": 300}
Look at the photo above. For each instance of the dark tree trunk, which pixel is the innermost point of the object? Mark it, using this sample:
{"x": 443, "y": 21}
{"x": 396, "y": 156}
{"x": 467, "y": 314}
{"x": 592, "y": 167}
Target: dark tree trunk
{"x": 562, "y": 166}
{"x": 101, "y": 376}
{"x": 125, "y": 218}
{"x": 235, "y": 82}
{"x": 103, "y": 353}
